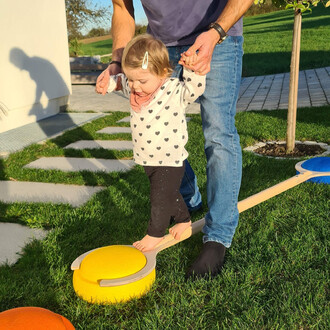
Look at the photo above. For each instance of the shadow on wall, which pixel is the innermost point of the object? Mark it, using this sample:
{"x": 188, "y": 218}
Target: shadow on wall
{"x": 49, "y": 81}
{"x": 44, "y": 74}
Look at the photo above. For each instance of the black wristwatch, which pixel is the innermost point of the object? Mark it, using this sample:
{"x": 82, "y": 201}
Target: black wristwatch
{"x": 220, "y": 30}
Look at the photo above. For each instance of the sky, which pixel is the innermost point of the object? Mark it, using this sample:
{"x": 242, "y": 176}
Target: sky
{"x": 140, "y": 17}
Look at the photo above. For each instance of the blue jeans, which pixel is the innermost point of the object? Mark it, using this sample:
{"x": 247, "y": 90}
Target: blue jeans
{"x": 222, "y": 147}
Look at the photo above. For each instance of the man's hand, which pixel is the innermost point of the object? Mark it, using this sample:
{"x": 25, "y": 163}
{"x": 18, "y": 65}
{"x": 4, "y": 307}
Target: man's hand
{"x": 204, "y": 46}
{"x": 103, "y": 80}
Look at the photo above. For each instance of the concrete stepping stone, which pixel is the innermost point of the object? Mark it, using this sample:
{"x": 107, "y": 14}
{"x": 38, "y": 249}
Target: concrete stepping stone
{"x": 101, "y": 144}
{"x": 193, "y": 108}
{"x": 18, "y": 138}
{"x": 37, "y": 192}
{"x": 124, "y": 120}
{"x": 71, "y": 164}
{"x": 13, "y": 237}
{"x": 127, "y": 119}
{"x": 115, "y": 130}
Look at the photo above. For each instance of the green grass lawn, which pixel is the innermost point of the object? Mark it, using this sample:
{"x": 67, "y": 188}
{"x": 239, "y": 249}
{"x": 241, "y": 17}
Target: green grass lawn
{"x": 276, "y": 273}
{"x": 268, "y": 42}
{"x": 97, "y": 48}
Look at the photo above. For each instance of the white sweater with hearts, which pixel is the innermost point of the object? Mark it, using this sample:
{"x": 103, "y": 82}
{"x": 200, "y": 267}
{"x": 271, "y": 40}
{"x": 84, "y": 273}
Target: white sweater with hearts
{"x": 159, "y": 130}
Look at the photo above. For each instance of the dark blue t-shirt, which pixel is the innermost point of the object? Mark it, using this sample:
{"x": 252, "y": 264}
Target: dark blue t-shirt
{"x": 179, "y": 22}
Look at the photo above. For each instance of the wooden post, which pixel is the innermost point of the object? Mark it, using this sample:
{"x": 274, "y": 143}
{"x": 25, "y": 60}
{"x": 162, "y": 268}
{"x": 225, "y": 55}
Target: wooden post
{"x": 293, "y": 89}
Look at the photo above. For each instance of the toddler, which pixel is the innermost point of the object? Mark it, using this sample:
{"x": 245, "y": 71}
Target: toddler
{"x": 159, "y": 130}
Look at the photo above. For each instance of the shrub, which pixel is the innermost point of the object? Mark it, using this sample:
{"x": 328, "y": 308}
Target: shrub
{"x": 262, "y": 8}
{"x": 75, "y": 48}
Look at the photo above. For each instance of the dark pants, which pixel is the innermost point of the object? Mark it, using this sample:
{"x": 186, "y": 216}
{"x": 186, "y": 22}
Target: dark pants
{"x": 166, "y": 201}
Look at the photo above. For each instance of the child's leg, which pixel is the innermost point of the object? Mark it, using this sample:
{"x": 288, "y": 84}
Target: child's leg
{"x": 182, "y": 216}
{"x": 164, "y": 189}
{"x": 159, "y": 218}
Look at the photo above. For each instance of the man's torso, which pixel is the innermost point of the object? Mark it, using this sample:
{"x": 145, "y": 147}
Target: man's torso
{"x": 178, "y": 23}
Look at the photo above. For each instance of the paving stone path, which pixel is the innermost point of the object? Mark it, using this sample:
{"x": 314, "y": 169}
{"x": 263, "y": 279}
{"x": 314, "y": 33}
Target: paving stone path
{"x": 115, "y": 130}
{"x": 100, "y": 144}
{"x": 269, "y": 92}
{"x": 14, "y": 237}
{"x": 272, "y": 91}
{"x": 16, "y": 191}
{"x": 71, "y": 164}
{"x": 38, "y": 192}
{"x": 18, "y": 138}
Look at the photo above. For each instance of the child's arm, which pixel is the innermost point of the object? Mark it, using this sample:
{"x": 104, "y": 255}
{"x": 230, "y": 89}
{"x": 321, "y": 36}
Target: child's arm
{"x": 120, "y": 81}
{"x": 193, "y": 86}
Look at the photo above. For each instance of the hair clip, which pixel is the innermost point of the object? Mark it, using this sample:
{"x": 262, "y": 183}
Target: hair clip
{"x": 145, "y": 61}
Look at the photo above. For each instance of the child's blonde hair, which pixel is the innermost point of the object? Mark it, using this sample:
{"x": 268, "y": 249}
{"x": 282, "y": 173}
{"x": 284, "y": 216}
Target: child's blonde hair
{"x": 158, "y": 59}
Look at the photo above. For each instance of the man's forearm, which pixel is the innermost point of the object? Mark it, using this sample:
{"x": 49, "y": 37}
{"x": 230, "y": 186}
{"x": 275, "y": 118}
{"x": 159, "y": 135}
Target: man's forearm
{"x": 233, "y": 11}
{"x": 123, "y": 26}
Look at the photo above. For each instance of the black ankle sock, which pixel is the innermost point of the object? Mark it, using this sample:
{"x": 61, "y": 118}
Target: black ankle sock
{"x": 209, "y": 261}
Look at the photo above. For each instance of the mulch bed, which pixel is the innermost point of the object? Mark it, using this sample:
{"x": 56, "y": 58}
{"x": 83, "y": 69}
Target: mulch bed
{"x": 279, "y": 150}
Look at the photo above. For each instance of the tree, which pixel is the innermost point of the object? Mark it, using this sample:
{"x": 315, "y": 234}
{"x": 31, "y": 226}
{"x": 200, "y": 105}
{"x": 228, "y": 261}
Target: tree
{"x": 261, "y": 8}
{"x": 140, "y": 29}
{"x": 299, "y": 6}
{"x": 79, "y": 12}
{"x": 97, "y": 32}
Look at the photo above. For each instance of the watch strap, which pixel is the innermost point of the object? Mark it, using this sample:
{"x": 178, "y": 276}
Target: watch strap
{"x": 220, "y": 30}
{"x": 115, "y": 62}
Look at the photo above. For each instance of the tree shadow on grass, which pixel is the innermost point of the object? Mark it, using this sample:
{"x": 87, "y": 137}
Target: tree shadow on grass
{"x": 119, "y": 215}
{"x": 103, "y": 214}
{"x": 315, "y": 115}
{"x": 28, "y": 282}
{"x": 258, "y": 64}
{"x": 319, "y": 14}
{"x": 42, "y": 276}
{"x": 285, "y": 25}
{"x": 312, "y": 124}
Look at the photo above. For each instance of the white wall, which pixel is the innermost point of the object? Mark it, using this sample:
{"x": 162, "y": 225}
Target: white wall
{"x": 34, "y": 61}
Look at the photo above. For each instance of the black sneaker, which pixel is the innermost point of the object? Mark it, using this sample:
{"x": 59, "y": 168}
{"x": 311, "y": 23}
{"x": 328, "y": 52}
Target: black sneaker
{"x": 209, "y": 262}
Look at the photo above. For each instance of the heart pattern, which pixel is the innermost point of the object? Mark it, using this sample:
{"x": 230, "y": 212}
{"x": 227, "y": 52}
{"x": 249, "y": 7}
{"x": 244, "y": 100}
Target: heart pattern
{"x": 158, "y": 141}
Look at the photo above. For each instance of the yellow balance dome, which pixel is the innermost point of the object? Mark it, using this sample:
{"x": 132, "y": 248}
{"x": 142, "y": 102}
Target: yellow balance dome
{"x": 111, "y": 262}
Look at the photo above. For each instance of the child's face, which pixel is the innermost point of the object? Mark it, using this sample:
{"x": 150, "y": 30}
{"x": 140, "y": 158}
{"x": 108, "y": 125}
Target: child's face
{"x": 142, "y": 82}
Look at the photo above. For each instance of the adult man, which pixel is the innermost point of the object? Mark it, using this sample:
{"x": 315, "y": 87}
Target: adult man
{"x": 213, "y": 29}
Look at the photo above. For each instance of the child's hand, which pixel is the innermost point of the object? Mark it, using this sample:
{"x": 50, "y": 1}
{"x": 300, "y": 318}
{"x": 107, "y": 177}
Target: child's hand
{"x": 114, "y": 84}
{"x": 103, "y": 80}
{"x": 188, "y": 61}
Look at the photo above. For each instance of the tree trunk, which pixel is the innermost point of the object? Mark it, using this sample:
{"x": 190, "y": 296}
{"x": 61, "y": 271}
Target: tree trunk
{"x": 294, "y": 77}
